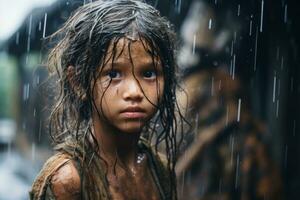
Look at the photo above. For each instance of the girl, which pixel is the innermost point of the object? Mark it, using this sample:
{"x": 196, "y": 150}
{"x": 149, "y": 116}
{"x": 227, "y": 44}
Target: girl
{"x": 115, "y": 66}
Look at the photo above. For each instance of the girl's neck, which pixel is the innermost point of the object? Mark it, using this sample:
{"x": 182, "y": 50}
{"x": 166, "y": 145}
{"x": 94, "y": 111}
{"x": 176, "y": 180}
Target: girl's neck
{"x": 115, "y": 144}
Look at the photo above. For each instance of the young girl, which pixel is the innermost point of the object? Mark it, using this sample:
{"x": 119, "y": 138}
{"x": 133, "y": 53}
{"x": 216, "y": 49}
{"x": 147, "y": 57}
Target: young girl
{"x": 115, "y": 66}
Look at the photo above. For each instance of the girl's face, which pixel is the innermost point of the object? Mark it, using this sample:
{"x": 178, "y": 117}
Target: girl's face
{"x": 129, "y": 87}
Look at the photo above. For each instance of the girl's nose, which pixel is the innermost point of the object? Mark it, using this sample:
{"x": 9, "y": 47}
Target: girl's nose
{"x": 132, "y": 90}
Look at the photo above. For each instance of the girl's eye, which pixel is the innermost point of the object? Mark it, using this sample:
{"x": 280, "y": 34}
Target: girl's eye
{"x": 149, "y": 74}
{"x": 113, "y": 74}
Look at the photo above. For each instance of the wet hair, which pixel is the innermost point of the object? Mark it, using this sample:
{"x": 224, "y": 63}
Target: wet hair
{"x": 83, "y": 42}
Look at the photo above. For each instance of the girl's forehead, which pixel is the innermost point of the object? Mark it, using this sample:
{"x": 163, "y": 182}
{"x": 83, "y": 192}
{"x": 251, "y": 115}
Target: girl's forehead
{"x": 125, "y": 49}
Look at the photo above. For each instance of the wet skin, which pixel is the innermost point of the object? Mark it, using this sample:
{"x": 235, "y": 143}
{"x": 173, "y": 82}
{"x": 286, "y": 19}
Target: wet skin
{"x": 124, "y": 94}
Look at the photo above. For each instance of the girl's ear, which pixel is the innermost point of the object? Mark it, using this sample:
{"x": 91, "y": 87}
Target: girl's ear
{"x": 78, "y": 90}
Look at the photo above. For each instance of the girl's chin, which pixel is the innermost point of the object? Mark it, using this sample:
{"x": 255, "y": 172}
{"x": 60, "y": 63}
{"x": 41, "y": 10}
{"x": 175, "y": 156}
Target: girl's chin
{"x": 131, "y": 127}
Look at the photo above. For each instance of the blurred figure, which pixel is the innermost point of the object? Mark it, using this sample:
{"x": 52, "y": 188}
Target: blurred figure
{"x": 224, "y": 155}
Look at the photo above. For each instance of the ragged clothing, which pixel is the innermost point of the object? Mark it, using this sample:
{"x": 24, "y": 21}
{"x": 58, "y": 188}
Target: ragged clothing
{"x": 90, "y": 167}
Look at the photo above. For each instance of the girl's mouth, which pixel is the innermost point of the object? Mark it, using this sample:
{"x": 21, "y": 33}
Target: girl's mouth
{"x": 134, "y": 112}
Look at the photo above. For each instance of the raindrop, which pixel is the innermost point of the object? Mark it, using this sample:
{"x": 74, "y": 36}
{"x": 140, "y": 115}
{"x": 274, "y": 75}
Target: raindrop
{"x": 262, "y": 15}
{"x": 282, "y": 61}
{"x": 24, "y": 125}
{"x": 232, "y": 146}
{"x": 212, "y": 86}
{"x": 233, "y": 67}
{"x": 178, "y": 6}
{"x": 255, "y": 51}
{"x": 30, "y": 25}
{"x": 239, "y": 110}
{"x": 156, "y": 3}
{"x": 28, "y": 44}
{"x": 227, "y": 114}
{"x": 40, "y": 130}
{"x": 237, "y": 171}
{"x": 234, "y": 37}
{"x": 216, "y": 2}
{"x": 274, "y": 87}
{"x": 285, "y": 13}
{"x": 194, "y": 44}
{"x": 37, "y": 79}
{"x": 230, "y": 67}
{"x": 209, "y": 24}
{"x": 26, "y": 61}
{"x": 278, "y": 88}
{"x": 277, "y": 108}
{"x": 26, "y": 91}
{"x": 250, "y": 29}
{"x": 29, "y": 33}
{"x": 220, "y": 84}
{"x": 277, "y": 53}
{"x": 239, "y": 10}
{"x": 40, "y": 26}
{"x": 33, "y": 151}
{"x": 196, "y": 124}
{"x": 231, "y": 51}
{"x": 285, "y": 156}
{"x": 45, "y": 23}
{"x": 34, "y": 112}
{"x": 17, "y": 38}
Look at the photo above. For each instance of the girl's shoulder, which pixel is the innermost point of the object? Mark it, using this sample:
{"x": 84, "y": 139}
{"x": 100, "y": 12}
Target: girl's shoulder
{"x": 58, "y": 177}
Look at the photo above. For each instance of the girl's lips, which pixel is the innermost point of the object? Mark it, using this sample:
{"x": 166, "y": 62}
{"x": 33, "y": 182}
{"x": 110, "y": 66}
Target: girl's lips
{"x": 133, "y": 115}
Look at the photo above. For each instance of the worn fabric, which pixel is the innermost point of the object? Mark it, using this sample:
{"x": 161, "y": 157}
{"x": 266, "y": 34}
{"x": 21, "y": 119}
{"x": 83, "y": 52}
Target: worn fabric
{"x": 88, "y": 165}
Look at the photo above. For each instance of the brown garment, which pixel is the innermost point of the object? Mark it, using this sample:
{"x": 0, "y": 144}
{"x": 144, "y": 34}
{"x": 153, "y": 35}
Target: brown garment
{"x": 88, "y": 164}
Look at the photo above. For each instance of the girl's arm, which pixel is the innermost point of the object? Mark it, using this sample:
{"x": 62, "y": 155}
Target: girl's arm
{"x": 65, "y": 183}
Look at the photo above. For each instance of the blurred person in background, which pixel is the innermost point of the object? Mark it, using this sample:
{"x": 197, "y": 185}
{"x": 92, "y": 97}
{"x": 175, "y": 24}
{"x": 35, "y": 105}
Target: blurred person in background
{"x": 225, "y": 155}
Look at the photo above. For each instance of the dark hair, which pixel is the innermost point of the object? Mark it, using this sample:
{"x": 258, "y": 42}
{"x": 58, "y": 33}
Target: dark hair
{"x": 83, "y": 42}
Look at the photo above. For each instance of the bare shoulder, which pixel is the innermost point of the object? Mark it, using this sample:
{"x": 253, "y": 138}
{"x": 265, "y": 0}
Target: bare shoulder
{"x": 65, "y": 182}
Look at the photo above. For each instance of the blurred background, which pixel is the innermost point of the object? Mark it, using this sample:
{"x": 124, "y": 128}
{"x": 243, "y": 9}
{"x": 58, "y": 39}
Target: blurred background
{"x": 239, "y": 56}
